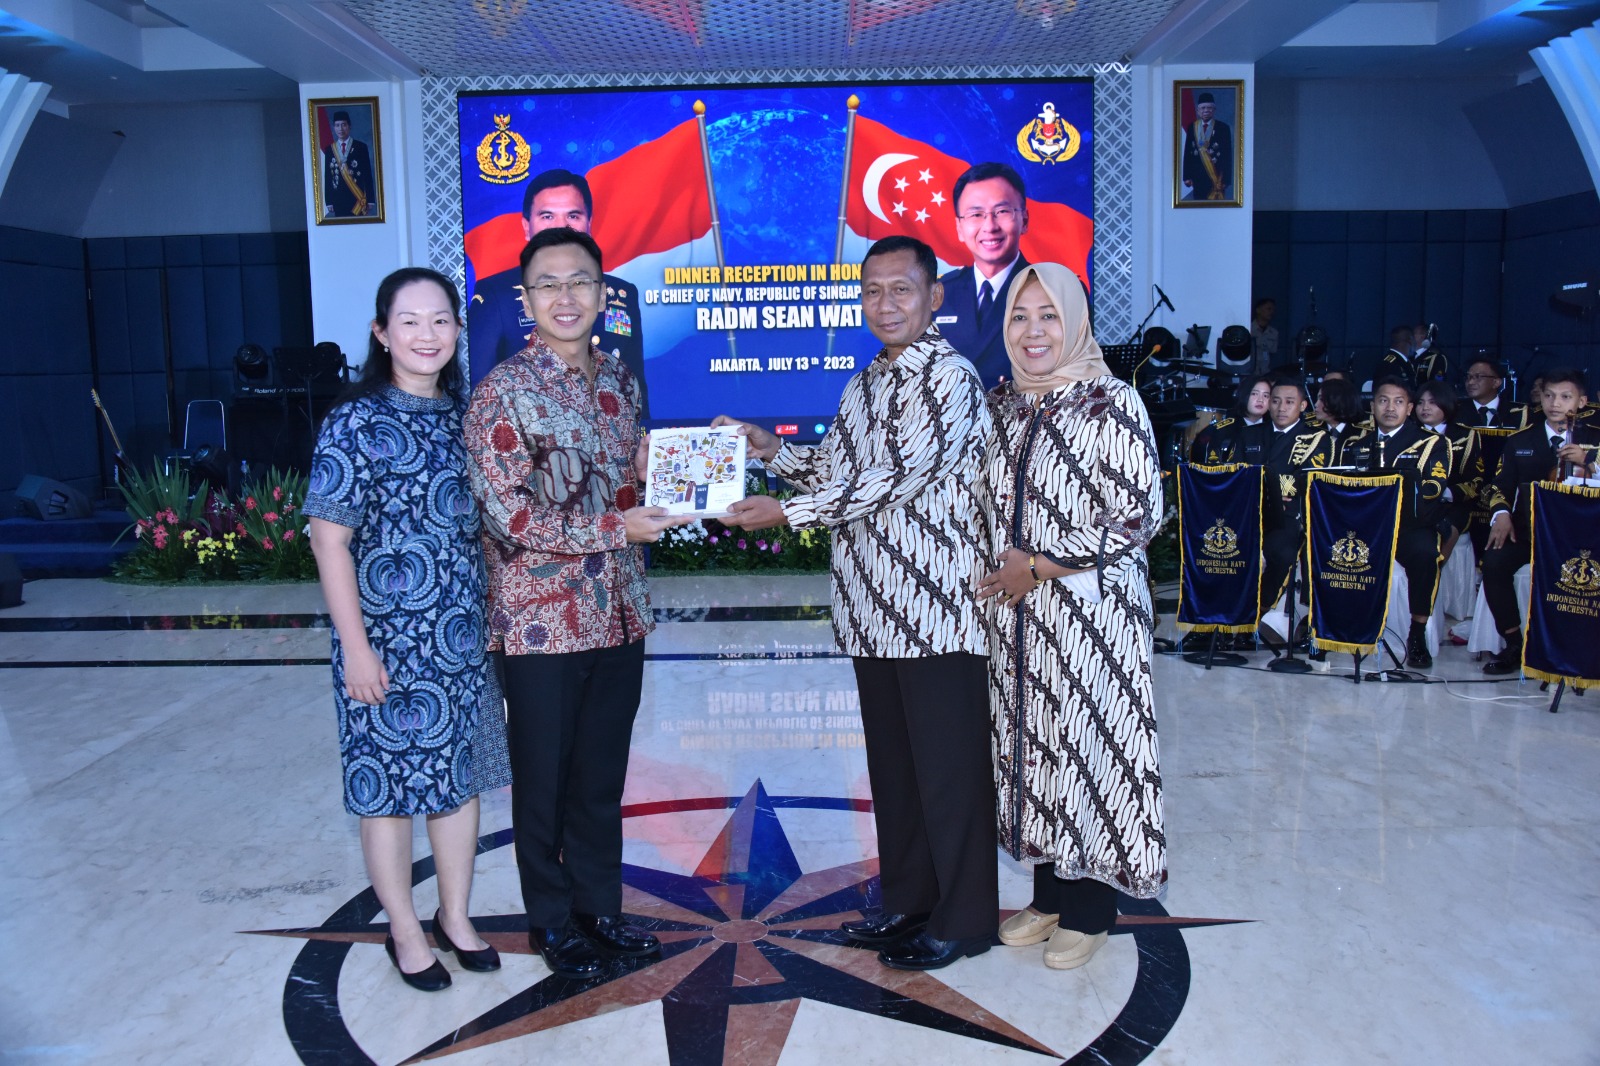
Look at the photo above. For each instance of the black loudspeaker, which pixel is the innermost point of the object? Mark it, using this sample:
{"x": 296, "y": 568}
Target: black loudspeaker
{"x": 48, "y": 499}
{"x": 10, "y": 581}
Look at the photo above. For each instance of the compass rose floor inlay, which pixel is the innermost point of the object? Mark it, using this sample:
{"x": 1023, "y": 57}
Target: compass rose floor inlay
{"x": 1384, "y": 873}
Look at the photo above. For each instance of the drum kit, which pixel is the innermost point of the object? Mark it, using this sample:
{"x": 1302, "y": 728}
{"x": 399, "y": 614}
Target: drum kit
{"x": 1185, "y": 387}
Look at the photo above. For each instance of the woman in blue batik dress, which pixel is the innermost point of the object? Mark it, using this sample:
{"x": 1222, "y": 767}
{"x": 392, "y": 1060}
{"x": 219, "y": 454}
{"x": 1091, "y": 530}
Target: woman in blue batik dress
{"x": 395, "y": 531}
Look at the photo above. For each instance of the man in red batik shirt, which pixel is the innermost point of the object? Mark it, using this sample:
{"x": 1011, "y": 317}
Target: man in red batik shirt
{"x": 557, "y": 458}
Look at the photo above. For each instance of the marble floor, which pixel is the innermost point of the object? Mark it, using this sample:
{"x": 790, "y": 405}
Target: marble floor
{"x": 1390, "y": 872}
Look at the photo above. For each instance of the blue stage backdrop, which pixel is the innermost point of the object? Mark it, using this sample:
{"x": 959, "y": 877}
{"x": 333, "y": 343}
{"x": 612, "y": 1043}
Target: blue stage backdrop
{"x": 733, "y": 224}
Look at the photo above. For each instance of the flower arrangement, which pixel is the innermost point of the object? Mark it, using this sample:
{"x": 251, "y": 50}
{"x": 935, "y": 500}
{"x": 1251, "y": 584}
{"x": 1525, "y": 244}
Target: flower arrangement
{"x": 712, "y": 546}
{"x": 185, "y": 534}
{"x": 270, "y": 519}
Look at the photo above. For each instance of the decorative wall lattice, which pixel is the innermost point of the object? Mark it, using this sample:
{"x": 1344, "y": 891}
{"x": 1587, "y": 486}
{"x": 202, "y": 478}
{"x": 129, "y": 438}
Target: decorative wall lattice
{"x": 1114, "y": 313}
{"x": 475, "y": 38}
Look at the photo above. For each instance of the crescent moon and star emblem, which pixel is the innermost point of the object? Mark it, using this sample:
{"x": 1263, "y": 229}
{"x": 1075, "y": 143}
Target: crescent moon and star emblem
{"x": 874, "y": 177}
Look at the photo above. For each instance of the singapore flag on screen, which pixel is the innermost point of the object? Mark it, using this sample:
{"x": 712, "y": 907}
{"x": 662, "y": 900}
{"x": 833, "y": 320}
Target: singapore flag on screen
{"x": 902, "y": 186}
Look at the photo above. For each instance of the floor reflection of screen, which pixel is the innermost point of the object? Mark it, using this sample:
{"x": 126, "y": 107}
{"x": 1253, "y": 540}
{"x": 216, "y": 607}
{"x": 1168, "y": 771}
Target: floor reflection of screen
{"x": 733, "y": 237}
{"x": 736, "y": 719}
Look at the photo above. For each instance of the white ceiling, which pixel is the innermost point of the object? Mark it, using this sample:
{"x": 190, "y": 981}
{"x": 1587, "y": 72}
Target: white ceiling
{"x": 121, "y": 51}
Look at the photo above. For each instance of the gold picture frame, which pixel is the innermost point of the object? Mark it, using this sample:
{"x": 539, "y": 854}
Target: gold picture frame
{"x": 1209, "y": 174}
{"x": 347, "y": 173}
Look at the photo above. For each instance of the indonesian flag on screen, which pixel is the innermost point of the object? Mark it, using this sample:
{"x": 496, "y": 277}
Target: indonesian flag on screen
{"x": 652, "y": 198}
{"x": 902, "y": 186}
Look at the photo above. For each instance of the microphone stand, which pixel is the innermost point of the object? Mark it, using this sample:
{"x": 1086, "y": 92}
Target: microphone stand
{"x": 1138, "y": 334}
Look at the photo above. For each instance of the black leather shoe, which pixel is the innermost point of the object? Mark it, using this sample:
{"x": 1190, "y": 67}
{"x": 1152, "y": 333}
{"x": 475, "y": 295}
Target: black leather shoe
{"x": 614, "y": 934}
{"x": 1509, "y": 661}
{"x": 1417, "y": 653}
{"x": 924, "y": 951}
{"x": 484, "y": 960}
{"x": 883, "y": 928}
{"x": 565, "y": 952}
{"x": 434, "y": 979}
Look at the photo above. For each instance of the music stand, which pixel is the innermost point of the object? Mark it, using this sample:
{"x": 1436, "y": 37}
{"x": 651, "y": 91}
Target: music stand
{"x": 1399, "y": 672}
{"x": 319, "y": 370}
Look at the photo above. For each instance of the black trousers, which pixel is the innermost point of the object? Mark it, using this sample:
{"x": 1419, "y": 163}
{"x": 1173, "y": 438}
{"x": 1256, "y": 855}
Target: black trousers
{"x": 1478, "y": 533}
{"x": 926, "y": 723}
{"x": 1087, "y": 905}
{"x": 1499, "y": 590}
{"x": 569, "y": 722}
{"x": 1417, "y": 552}
{"x": 1278, "y": 550}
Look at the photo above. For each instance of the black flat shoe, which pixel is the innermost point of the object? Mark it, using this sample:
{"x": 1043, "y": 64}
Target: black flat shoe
{"x": 565, "y": 952}
{"x": 883, "y": 928}
{"x": 613, "y": 933}
{"x": 434, "y": 979}
{"x": 924, "y": 951}
{"x": 484, "y": 960}
{"x": 1417, "y": 653}
{"x": 1509, "y": 660}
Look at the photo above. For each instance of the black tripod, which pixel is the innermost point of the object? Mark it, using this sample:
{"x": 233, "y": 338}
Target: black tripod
{"x": 1288, "y": 664}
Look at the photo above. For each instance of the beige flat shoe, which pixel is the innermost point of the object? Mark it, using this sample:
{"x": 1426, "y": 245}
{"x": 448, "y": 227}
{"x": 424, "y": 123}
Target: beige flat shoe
{"x": 1068, "y": 949}
{"x": 1027, "y": 926}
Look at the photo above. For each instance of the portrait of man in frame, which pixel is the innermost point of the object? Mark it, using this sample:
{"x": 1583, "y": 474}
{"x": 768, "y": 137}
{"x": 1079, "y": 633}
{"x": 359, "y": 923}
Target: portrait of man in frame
{"x": 346, "y": 180}
{"x": 1208, "y": 147}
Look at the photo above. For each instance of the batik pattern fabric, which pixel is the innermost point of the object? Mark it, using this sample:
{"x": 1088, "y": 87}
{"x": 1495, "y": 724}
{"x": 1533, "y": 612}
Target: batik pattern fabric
{"x": 895, "y": 479}
{"x": 391, "y": 467}
{"x": 552, "y": 468}
{"x": 1077, "y": 768}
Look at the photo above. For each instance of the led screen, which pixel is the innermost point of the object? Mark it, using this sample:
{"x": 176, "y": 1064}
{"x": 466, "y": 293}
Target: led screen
{"x": 733, "y": 220}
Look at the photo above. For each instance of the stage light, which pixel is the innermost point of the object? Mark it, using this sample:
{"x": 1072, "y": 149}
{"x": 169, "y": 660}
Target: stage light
{"x": 321, "y": 369}
{"x": 250, "y": 363}
{"x": 1159, "y": 347}
{"x": 1236, "y": 348}
{"x": 329, "y": 360}
{"x": 1312, "y": 343}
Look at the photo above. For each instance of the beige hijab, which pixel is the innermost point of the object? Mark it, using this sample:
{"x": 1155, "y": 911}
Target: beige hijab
{"x": 1080, "y": 359}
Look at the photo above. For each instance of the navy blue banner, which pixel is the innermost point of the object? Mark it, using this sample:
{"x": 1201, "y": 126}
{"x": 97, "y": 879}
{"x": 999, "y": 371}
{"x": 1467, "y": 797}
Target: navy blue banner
{"x": 1351, "y": 524}
{"x": 1562, "y": 638}
{"x": 1219, "y": 547}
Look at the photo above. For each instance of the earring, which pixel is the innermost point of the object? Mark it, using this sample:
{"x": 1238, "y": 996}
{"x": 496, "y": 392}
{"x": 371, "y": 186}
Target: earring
{"x": 385, "y": 349}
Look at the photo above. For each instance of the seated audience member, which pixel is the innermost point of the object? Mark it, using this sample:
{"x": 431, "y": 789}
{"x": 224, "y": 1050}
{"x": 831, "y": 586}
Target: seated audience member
{"x": 1293, "y": 447}
{"x": 1338, "y": 409}
{"x": 1484, "y": 381}
{"x": 1436, "y": 410}
{"x": 1548, "y": 451}
{"x": 1240, "y": 436}
{"x": 1397, "y": 443}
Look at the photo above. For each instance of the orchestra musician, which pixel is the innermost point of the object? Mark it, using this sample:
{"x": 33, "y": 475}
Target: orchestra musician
{"x": 1552, "y": 450}
{"x": 1397, "y": 443}
{"x": 1293, "y": 446}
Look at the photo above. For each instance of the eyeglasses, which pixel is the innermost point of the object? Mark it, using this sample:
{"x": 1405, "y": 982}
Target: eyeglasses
{"x": 1483, "y": 377}
{"x": 578, "y": 287}
{"x": 1001, "y": 215}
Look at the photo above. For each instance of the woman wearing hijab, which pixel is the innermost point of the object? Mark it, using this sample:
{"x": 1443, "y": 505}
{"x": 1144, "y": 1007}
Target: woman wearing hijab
{"x": 1073, "y": 496}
